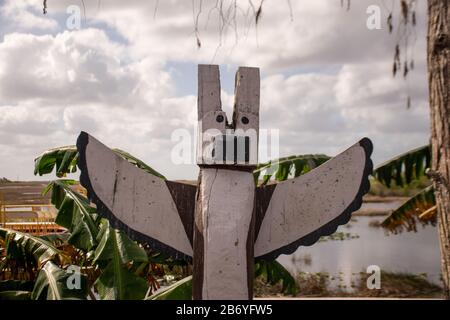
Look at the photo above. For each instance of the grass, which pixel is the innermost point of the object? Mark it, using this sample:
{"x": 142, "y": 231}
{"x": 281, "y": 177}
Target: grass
{"x": 393, "y": 285}
{"x": 378, "y": 189}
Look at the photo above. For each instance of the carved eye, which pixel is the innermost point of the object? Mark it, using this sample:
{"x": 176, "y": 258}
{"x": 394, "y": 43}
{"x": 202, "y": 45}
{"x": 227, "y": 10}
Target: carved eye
{"x": 219, "y": 118}
{"x": 244, "y": 120}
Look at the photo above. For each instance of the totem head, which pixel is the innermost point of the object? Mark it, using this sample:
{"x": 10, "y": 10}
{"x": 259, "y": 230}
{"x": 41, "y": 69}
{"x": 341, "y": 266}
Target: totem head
{"x": 223, "y": 141}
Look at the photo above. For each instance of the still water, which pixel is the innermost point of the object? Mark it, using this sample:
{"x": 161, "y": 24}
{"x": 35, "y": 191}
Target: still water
{"x": 408, "y": 252}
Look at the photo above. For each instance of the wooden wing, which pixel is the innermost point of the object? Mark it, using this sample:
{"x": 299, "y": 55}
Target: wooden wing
{"x": 298, "y": 211}
{"x": 146, "y": 207}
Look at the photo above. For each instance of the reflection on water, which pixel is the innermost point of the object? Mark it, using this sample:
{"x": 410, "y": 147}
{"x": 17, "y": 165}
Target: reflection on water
{"x": 381, "y": 206}
{"x": 407, "y": 252}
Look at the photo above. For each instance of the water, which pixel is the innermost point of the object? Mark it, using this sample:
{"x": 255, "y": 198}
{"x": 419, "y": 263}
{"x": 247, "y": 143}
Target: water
{"x": 408, "y": 252}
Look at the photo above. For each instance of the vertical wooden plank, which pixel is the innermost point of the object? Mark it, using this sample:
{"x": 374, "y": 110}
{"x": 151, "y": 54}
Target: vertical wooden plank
{"x": 208, "y": 89}
{"x": 198, "y": 243}
{"x": 224, "y": 235}
{"x": 247, "y": 90}
{"x": 246, "y": 108}
{"x": 209, "y": 112}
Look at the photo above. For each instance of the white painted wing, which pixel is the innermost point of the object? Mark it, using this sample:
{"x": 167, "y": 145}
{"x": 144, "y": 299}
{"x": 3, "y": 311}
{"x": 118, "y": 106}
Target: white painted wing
{"x": 143, "y": 205}
{"x": 299, "y": 211}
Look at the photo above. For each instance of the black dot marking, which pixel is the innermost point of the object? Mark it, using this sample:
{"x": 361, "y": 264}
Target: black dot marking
{"x": 245, "y": 120}
{"x": 219, "y": 118}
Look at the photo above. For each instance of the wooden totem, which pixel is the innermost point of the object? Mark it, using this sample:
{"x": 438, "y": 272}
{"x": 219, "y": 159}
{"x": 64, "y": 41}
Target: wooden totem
{"x": 226, "y": 221}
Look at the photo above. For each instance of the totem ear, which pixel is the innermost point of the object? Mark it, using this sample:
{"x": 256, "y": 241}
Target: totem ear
{"x": 246, "y": 108}
{"x": 212, "y": 120}
{"x": 246, "y": 98}
{"x": 209, "y": 92}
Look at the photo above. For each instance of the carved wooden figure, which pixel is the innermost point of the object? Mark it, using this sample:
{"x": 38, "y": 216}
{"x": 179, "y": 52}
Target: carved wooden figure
{"x": 226, "y": 221}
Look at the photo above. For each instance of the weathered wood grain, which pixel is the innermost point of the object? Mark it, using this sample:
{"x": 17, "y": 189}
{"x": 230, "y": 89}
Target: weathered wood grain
{"x": 224, "y": 218}
{"x": 304, "y": 208}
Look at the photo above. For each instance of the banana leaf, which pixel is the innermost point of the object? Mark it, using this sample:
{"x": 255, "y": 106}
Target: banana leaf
{"x": 57, "y": 239}
{"x": 16, "y": 289}
{"x": 284, "y": 168}
{"x": 23, "y": 247}
{"x": 12, "y": 285}
{"x": 74, "y": 213}
{"x": 273, "y": 272}
{"x": 64, "y": 159}
{"x": 180, "y": 290}
{"x": 409, "y": 214}
{"x": 405, "y": 168}
{"x": 15, "y": 295}
{"x": 117, "y": 281}
{"x": 52, "y": 283}
{"x": 114, "y": 243}
{"x": 138, "y": 163}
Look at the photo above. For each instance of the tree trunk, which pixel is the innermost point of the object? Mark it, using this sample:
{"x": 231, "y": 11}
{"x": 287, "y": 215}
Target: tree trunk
{"x": 438, "y": 53}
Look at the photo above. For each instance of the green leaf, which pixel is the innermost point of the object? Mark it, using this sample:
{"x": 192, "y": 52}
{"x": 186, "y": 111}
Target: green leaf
{"x": 21, "y": 246}
{"x": 404, "y": 168}
{"x": 283, "y": 168}
{"x": 57, "y": 239}
{"x": 408, "y": 214}
{"x": 114, "y": 243}
{"x": 180, "y": 290}
{"x": 273, "y": 272}
{"x": 75, "y": 213}
{"x": 53, "y": 282}
{"x": 64, "y": 159}
{"x": 15, "y": 295}
{"x": 117, "y": 282}
{"x": 138, "y": 163}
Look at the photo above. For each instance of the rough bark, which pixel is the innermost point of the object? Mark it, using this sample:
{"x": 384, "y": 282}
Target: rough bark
{"x": 438, "y": 53}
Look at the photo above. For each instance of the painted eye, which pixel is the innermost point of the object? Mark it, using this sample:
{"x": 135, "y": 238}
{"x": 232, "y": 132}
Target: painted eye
{"x": 219, "y": 118}
{"x": 244, "y": 120}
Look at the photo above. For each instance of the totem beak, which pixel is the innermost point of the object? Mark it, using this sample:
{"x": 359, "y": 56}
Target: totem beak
{"x": 231, "y": 149}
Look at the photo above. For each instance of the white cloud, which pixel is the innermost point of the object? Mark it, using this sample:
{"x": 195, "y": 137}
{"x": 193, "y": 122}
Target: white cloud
{"x": 23, "y": 14}
{"x": 326, "y": 79}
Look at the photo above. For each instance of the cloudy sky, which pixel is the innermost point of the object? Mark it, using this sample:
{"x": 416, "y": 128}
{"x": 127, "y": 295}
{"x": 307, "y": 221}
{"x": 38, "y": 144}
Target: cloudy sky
{"x": 128, "y": 76}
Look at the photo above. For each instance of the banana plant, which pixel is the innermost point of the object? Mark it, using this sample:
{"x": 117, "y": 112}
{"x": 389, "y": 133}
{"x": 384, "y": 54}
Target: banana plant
{"x": 112, "y": 265}
{"x": 52, "y": 284}
{"x": 284, "y": 168}
{"x": 403, "y": 170}
{"x": 180, "y": 290}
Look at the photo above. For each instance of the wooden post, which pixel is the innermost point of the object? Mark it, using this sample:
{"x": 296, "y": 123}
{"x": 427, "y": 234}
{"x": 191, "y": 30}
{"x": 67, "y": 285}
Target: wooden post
{"x": 224, "y": 215}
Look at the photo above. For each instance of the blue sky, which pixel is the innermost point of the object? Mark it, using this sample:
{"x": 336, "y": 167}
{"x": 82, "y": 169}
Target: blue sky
{"x": 130, "y": 78}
